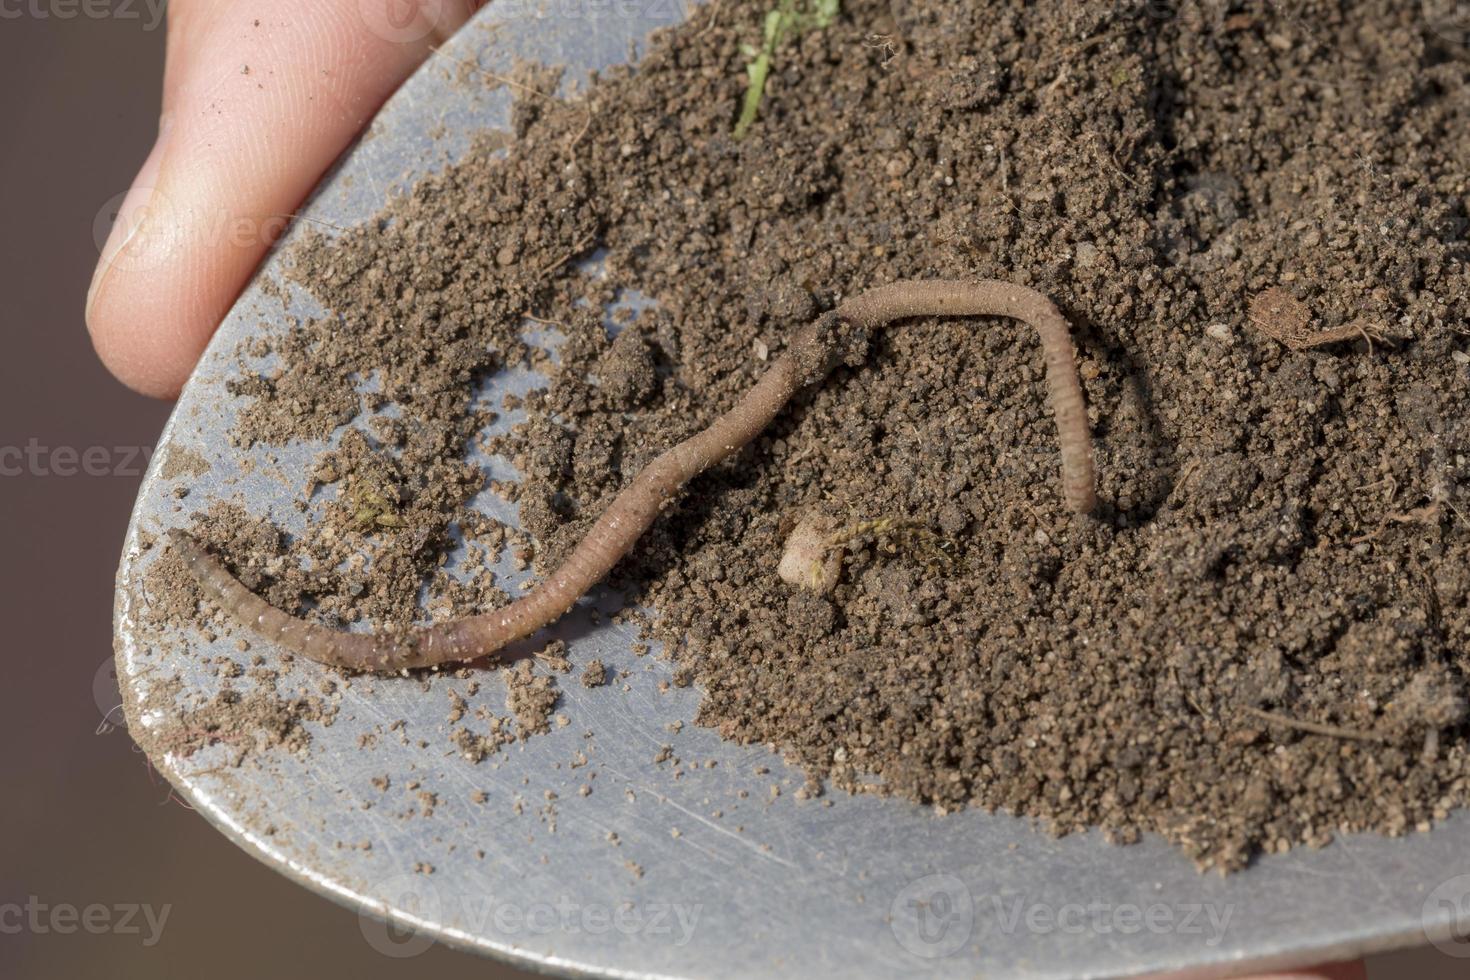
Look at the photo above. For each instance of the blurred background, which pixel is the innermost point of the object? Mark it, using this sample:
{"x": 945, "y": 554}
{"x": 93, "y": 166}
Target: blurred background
{"x": 86, "y": 822}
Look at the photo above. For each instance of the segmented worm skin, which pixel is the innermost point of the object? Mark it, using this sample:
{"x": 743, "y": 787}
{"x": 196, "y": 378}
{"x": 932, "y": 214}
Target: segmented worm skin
{"x": 815, "y": 350}
{"x": 944, "y": 297}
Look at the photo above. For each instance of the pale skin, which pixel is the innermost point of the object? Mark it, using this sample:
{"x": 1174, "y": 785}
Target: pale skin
{"x": 233, "y": 154}
{"x": 259, "y": 98}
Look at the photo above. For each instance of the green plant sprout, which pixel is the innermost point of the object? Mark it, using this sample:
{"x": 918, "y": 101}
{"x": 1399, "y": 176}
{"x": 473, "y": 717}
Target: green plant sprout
{"x": 372, "y": 509}
{"x": 787, "y": 18}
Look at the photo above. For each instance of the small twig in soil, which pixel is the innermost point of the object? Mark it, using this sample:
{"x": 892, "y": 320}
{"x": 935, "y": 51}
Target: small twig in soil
{"x": 545, "y": 322}
{"x": 1188, "y": 698}
{"x": 575, "y": 250}
{"x": 1428, "y": 515}
{"x": 297, "y": 216}
{"x": 838, "y": 337}
{"x": 884, "y": 44}
{"x": 1313, "y": 727}
{"x": 1389, "y": 481}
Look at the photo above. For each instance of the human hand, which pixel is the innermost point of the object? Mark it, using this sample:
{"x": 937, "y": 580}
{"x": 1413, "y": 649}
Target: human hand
{"x": 258, "y": 100}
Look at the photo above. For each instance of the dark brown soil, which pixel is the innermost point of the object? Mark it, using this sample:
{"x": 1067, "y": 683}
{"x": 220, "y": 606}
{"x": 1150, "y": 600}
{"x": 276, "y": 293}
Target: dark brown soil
{"x": 1283, "y": 545}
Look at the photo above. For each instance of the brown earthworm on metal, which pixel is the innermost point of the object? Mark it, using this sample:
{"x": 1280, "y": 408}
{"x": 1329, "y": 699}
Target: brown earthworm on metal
{"x": 815, "y": 351}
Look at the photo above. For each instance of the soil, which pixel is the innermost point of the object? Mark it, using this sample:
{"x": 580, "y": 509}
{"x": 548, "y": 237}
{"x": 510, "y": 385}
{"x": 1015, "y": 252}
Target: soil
{"x": 1260, "y": 641}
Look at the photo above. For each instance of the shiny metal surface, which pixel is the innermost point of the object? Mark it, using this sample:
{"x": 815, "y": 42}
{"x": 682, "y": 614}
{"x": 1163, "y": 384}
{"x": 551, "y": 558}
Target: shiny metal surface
{"x": 851, "y": 886}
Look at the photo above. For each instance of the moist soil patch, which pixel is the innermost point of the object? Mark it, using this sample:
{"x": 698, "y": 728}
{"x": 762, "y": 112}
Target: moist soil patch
{"x": 1261, "y": 638}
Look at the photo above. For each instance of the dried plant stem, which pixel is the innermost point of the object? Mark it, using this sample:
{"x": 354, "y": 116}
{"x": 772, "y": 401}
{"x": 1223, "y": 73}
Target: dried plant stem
{"x": 1313, "y": 727}
{"x": 814, "y": 352}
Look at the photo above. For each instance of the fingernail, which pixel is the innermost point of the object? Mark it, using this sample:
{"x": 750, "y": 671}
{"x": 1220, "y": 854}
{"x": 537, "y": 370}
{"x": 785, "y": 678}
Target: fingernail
{"x": 132, "y": 215}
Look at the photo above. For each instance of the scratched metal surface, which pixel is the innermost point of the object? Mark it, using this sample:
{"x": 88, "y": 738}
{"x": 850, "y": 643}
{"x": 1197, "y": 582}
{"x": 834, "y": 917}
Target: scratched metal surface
{"x": 864, "y": 887}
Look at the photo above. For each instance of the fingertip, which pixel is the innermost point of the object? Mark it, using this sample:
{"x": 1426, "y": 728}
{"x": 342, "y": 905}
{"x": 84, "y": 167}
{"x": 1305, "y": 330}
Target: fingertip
{"x": 137, "y": 355}
{"x": 263, "y": 98}
{"x": 134, "y": 337}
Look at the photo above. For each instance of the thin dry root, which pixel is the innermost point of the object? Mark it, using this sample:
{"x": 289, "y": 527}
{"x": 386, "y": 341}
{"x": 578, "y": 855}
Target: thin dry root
{"x": 1315, "y": 728}
{"x": 814, "y": 351}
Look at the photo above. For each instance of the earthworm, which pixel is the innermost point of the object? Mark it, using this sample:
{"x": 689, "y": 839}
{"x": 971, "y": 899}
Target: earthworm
{"x": 817, "y": 348}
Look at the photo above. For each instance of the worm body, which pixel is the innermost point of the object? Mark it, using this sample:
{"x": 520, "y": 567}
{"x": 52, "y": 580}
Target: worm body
{"x": 815, "y": 350}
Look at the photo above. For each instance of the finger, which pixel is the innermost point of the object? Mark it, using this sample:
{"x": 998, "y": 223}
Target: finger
{"x": 259, "y": 99}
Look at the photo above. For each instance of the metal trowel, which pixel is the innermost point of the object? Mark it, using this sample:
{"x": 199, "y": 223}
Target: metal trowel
{"x": 576, "y": 851}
